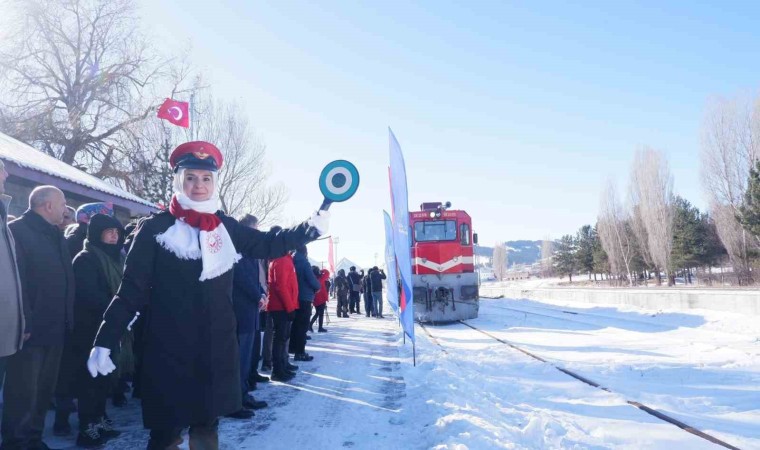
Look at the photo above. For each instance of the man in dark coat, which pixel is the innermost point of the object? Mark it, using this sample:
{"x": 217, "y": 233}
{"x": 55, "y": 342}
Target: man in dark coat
{"x": 376, "y": 277}
{"x": 181, "y": 264}
{"x": 355, "y": 281}
{"x": 98, "y": 271}
{"x": 47, "y": 286}
{"x": 308, "y": 285}
{"x": 369, "y": 307}
{"x": 342, "y": 289}
{"x": 246, "y": 297}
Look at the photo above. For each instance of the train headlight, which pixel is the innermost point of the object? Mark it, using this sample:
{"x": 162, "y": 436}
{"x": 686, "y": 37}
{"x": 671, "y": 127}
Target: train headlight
{"x": 468, "y": 292}
{"x": 432, "y": 214}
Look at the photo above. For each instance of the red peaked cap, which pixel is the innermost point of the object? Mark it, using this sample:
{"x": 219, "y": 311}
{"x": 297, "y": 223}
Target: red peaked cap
{"x": 196, "y": 155}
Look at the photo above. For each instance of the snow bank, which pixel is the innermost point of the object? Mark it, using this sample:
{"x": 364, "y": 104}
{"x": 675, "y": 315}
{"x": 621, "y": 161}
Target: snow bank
{"x": 736, "y": 301}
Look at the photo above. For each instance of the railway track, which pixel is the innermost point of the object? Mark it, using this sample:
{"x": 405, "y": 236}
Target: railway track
{"x": 574, "y": 313}
{"x": 640, "y": 406}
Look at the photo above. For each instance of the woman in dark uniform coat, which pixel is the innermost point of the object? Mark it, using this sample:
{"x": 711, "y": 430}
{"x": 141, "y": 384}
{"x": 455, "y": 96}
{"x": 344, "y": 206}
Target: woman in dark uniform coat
{"x": 180, "y": 267}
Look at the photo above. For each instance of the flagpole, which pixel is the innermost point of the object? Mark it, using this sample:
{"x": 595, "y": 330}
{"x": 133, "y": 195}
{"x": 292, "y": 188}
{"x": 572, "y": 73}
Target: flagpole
{"x": 192, "y": 114}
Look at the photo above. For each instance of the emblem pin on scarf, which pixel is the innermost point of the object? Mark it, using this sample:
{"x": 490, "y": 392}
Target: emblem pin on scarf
{"x": 338, "y": 182}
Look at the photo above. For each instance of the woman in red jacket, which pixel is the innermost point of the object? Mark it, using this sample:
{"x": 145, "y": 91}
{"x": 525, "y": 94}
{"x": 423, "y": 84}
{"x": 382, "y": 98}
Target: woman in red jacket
{"x": 282, "y": 305}
{"x": 320, "y": 301}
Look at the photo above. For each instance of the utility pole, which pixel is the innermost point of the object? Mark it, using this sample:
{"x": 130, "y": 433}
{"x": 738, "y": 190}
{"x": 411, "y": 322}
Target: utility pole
{"x": 336, "y": 241}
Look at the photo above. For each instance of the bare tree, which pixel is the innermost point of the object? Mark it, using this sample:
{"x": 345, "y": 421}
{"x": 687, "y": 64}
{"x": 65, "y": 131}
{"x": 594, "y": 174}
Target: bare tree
{"x": 242, "y": 180}
{"x": 500, "y": 261}
{"x": 730, "y": 146}
{"x": 640, "y": 236}
{"x": 651, "y": 188}
{"x": 734, "y": 239}
{"x": 76, "y": 76}
{"x": 615, "y": 234}
{"x": 547, "y": 257}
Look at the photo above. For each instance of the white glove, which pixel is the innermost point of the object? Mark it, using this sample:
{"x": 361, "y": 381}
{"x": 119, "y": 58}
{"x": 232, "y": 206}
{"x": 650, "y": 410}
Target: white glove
{"x": 320, "y": 221}
{"x": 100, "y": 362}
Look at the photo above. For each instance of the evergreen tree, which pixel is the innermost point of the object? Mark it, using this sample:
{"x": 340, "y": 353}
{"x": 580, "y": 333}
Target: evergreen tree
{"x": 688, "y": 235}
{"x": 585, "y": 249}
{"x": 712, "y": 250}
{"x": 749, "y": 212}
{"x": 601, "y": 260}
{"x": 565, "y": 260}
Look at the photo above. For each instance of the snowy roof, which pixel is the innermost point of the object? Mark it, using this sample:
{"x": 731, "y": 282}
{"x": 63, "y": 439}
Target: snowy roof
{"x": 29, "y": 157}
{"x": 345, "y": 264}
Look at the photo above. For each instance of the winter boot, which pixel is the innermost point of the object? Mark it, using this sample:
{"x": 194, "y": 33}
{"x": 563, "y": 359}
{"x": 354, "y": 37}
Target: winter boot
{"x": 241, "y": 414}
{"x": 283, "y": 377}
{"x": 251, "y": 403}
{"x": 90, "y": 437}
{"x": 259, "y": 378}
{"x": 322, "y": 330}
{"x": 106, "y": 429}
{"x": 303, "y": 357}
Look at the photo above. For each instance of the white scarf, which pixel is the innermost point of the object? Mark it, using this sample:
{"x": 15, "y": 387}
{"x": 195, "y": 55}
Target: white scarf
{"x": 215, "y": 248}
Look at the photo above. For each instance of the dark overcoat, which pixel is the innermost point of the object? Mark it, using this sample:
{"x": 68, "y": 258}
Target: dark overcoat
{"x": 92, "y": 298}
{"x": 190, "y": 372}
{"x": 47, "y": 279}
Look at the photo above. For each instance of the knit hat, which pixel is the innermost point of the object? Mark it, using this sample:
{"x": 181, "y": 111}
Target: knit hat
{"x": 86, "y": 211}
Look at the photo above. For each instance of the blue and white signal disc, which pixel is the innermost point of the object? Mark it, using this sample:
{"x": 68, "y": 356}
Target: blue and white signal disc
{"x": 339, "y": 181}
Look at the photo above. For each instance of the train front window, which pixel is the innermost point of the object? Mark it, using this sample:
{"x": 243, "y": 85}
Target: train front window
{"x": 439, "y": 230}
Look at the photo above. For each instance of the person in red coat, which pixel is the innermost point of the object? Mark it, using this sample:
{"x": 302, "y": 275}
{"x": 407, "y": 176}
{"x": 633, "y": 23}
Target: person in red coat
{"x": 282, "y": 306}
{"x": 320, "y": 300}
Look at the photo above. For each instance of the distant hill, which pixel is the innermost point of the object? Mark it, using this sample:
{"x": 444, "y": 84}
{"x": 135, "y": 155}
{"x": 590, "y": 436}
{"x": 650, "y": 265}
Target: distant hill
{"x": 519, "y": 252}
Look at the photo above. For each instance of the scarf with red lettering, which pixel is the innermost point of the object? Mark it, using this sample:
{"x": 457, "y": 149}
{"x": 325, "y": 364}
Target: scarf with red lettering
{"x": 199, "y": 233}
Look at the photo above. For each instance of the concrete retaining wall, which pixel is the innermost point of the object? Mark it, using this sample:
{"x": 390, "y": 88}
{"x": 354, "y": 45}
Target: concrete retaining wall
{"x": 737, "y": 301}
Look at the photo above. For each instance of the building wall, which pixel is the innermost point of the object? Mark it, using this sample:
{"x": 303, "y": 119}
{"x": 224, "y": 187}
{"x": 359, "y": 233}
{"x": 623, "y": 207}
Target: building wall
{"x": 19, "y": 189}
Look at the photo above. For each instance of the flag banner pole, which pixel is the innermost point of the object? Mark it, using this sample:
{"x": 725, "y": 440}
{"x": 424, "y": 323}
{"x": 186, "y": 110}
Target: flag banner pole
{"x": 400, "y": 209}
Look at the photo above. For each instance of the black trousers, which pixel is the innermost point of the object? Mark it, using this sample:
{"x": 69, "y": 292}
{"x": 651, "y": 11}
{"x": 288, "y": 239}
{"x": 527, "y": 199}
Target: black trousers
{"x": 93, "y": 393}
{"x": 266, "y": 347}
{"x": 300, "y": 326}
{"x": 257, "y": 341}
{"x": 318, "y": 314}
{"x": 202, "y": 437}
{"x": 355, "y": 300}
{"x": 30, "y": 380}
{"x": 280, "y": 337}
{"x": 342, "y": 306}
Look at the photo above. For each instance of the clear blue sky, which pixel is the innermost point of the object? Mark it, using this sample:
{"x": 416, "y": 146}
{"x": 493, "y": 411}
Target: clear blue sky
{"x": 516, "y": 112}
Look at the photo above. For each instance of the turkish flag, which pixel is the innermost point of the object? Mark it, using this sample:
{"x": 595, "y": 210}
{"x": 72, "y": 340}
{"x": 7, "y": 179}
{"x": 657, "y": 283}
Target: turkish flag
{"x": 175, "y": 112}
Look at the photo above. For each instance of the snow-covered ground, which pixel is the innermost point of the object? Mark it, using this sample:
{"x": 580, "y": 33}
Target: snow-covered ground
{"x": 470, "y": 391}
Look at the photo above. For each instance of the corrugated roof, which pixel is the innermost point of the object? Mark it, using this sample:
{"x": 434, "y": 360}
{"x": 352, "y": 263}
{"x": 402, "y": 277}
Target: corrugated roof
{"x": 29, "y": 157}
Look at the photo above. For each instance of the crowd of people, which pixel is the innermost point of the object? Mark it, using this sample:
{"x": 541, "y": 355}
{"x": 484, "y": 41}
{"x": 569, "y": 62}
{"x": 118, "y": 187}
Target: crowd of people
{"x": 188, "y": 308}
{"x": 349, "y": 289}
